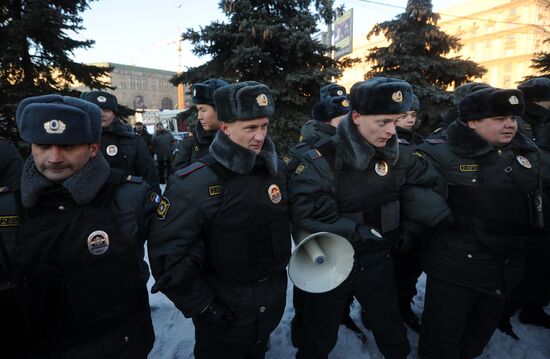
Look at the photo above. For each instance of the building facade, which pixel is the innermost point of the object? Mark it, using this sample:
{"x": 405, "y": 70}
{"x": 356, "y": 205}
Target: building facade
{"x": 501, "y": 35}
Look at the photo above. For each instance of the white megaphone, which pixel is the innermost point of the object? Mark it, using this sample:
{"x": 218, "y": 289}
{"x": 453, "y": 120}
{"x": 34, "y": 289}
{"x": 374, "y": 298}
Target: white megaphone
{"x": 320, "y": 262}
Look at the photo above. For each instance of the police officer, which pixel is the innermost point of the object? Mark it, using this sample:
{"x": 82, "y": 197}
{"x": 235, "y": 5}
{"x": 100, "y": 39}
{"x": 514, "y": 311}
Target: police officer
{"x": 190, "y": 149}
{"x": 72, "y": 241}
{"x": 11, "y": 164}
{"x": 494, "y": 174}
{"x": 141, "y": 130}
{"x": 163, "y": 143}
{"x": 221, "y": 241}
{"x": 536, "y": 119}
{"x": 119, "y": 144}
{"x": 350, "y": 186}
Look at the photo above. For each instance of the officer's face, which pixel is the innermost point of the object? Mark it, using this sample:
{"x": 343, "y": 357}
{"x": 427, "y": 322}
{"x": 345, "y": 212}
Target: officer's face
{"x": 59, "y": 162}
{"x": 248, "y": 134}
{"x": 496, "y": 130}
{"x": 376, "y": 129}
{"x": 407, "y": 121}
{"x": 107, "y": 118}
{"x": 208, "y": 117}
{"x": 545, "y": 104}
{"x": 139, "y": 127}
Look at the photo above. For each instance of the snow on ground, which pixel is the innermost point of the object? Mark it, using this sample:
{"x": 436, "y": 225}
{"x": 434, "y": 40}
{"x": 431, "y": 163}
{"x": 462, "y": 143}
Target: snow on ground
{"x": 175, "y": 335}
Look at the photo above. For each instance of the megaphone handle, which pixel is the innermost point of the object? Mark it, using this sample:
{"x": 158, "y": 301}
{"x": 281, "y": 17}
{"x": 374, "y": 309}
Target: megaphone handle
{"x": 315, "y": 252}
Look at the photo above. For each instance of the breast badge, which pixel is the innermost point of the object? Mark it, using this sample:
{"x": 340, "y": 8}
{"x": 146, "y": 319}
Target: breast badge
{"x": 98, "y": 242}
{"x": 381, "y": 168}
{"x": 111, "y": 150}
{"x": 274, "y": 193}
{"x": 523, "y": 161}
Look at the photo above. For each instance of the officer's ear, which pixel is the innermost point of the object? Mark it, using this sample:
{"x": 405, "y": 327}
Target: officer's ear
{"x": 94, "y": 149}
{"x": 224, "y": 128}
{"x": 356, "y": 117}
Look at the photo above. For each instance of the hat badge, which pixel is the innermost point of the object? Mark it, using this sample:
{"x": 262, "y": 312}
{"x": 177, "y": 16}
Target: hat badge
{"x": 397, "y": 96}
{"x": 339, "y": 92}
{"x": 345, "y": 103}
{"x": 101, "y": 99}
{"x": 194, "y": 92}
{"x": 262, "y": 100}
{"x": 513, "y": 100}
{"x": 55, "y": 126}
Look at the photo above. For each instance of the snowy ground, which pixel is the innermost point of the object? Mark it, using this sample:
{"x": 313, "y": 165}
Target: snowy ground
{"x": 175, "y": 335}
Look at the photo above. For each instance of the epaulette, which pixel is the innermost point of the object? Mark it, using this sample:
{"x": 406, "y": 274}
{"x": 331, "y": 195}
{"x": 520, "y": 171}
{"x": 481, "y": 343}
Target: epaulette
{"x": 301, "y": 144}
{"x": 5, "y": 189}
{"x": 439, "y": 129}
{"x": 134, "y": 179}
{"x": 190, "y": 169}
{"x": 435, "y": 141}
{"x": 403, "y": 141}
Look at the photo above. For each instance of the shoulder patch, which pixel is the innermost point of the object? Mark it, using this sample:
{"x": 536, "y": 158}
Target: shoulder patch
{"x": 214, "y": 190}
{"x": 134, "y": 179}
{"x": 469, "y": 168}
{"x": 190, "y": 169}
{"x": 435, "y": 141}
{"x": 300, "y": 169}
{"x": 402, "y": 141}
{"x": 162, "y": 209}
{"x": 314, "y": 154}
{"x": 9, "y": 221}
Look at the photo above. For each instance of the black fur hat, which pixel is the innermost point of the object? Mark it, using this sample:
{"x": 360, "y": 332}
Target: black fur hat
{"x": 102, "y": 99}
{"x": 58, "y": 120}
{"x": 203, "y": 92}
{"x": 245, "y": 100}
{"x": 537, "y": 89}
{"x": 332, "y": 90}
{"x": 463, "y": 90}
{"x": 381, "y": 95}
{"x": 330, "y": 108}
{"x": 491, "y": 102}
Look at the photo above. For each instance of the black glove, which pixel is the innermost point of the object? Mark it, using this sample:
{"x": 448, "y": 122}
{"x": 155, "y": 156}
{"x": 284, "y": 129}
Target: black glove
{"x": 407, "y": 241}
{"x": 216, "y": 318}
{"x": 369, "y": 235}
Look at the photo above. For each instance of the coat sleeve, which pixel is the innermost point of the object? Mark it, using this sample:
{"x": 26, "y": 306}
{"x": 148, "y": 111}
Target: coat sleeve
{"x": 11, "y": 165}
{"x": 313, "y": 207}
{"x": 176, "y": 248}
{"x": 145, "y": 166}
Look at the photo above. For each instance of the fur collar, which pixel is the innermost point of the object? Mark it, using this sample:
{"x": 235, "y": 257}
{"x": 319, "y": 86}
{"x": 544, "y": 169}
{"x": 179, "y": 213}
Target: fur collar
{"x": 465, "y": 142}
{"x": 242, "y": 160}
{"x": 535, "y": 114}
{"x": 202, "y": 136}
{"x": 119, "y": 128}
{"x": 358, "y": 153}
{"x": 83, "y": 185}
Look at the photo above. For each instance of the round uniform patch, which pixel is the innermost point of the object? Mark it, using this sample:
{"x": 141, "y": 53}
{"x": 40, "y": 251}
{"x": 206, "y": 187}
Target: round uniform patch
{"x": 98, "y": 242}
{"x": 163, "y": 207}
{"x": 381, "y": 168}
{"x": 523, "y": 161}
{"x": 112, "y": 150}
{"x": 274, "y": 193}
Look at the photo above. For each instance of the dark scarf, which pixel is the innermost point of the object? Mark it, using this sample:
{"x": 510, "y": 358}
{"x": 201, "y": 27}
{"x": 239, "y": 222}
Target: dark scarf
{"x": 358, "y": 153}
{"x": 242, "y": 160}
{"x": 465, "y": 142}
{"x": 202, "y": 136}
{"x": 119, "y": 128}
{"x": 83, "y": 185}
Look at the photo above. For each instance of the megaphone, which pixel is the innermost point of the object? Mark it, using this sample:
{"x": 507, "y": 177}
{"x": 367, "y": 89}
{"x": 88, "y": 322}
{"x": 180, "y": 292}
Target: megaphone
{"x": 320, "y": 262}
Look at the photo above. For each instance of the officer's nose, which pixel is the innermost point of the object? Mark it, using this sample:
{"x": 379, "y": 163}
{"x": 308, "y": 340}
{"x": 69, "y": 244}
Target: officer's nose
{"x": 391, "y": 128}
{"x": 56, "y": 154}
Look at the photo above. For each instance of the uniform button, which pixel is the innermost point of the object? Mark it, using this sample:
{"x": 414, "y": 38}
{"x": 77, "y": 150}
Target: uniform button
{"x": 262, "y": 309}
{"x": 61, "y": 208}
{"x": 362, "y": 269}
{"x": 498, "y": 292}
{"x": 499, "y": 152}
{"x": 474, "y": 180}
{"x": 388, "y": 255}
{"x": 506, "y": 261}
{"x": 126, "y": 339}
{"x": 469, "y": 255}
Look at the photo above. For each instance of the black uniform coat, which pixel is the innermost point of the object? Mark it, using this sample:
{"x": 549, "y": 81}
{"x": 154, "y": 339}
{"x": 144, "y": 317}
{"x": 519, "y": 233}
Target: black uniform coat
{"x": 11, "y": 164}
{"x": 219, "y": 236}
{"x": 483, "y": 250}
{"x": 192, "y": 148}
{"x": 80, "y": 296}
{"x": 311, "y": 132}
{"x": 123, "y": 150}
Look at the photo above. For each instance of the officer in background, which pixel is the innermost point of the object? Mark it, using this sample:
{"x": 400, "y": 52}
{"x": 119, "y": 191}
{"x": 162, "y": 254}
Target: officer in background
{"x": 72, "y": 243}
{"x": 163, "y": 144}
{"x": 119, "y": 145}
{"x": 350, "y": 186}
{"x": 11, "y": 164}
{"x": 494, "y": 174}
{"x": 141, "y": 130}
{"x": 221, "y": 241}
{"x": 190, "y": 149}
{"x": 536, "y": 118}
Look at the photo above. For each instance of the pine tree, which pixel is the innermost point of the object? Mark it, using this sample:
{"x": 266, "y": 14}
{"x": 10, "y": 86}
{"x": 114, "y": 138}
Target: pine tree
{"x": 541, "y": 63}
{"x": 416, "y": 54}
{"x": 270, "y": 41}
{"x": 36, "y": 48}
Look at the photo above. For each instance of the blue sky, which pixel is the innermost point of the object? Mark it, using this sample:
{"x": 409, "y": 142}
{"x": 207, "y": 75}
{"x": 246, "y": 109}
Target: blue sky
{"x": 144, "y": 32}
